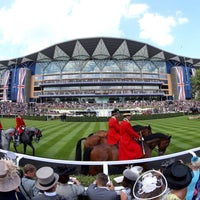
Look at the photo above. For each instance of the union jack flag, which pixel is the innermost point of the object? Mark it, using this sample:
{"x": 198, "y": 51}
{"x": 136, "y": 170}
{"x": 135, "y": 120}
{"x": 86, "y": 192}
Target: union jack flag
{"x": 5, "y": 85}
{"x": 180, "y": 83}
{"x": 20, "y": 91}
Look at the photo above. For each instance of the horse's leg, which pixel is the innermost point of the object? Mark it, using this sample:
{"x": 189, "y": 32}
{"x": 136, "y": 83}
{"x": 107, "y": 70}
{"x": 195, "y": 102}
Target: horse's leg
{"x": 25, "y": 148}
{"x": 31, "y": 145}
{"x": 15, "y": 147}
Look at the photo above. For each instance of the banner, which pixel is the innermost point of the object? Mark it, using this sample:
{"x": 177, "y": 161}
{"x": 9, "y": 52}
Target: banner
{"x": 5, "y": 85}
{"x": 180, "y": 83}
{"x": 20, "y": 86}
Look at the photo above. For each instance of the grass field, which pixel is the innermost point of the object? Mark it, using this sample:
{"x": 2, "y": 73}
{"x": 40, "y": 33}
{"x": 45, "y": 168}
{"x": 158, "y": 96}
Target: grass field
{"x": 59, "y": 138}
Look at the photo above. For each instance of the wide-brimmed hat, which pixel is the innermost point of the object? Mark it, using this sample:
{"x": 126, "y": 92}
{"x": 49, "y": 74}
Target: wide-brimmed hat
{"x": 131, "y": 175}
{"x": 9, "y": 178}
{"x": 115, "y": 111}
{"x": 178, "y": 175}
{"x": 150, "y": 185}
{"x": 46, "y": 178}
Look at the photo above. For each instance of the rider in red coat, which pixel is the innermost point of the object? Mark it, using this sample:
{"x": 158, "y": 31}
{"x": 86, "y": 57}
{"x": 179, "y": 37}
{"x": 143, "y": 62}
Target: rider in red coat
{"x": 129, "y": 149}
{"x": 1, "y": 128}
{"x": 114, "y": 128}
{"x": 20, "y": 125}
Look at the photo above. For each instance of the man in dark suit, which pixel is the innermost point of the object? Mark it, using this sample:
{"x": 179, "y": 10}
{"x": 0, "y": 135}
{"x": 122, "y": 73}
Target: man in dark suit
{"x": 101, "y": 189}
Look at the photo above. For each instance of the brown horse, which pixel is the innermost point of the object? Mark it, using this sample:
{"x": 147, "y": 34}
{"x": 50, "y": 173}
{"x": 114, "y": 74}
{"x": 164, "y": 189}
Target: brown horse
{"x": 100, "y": 137}
{"x": 105, "y": 152}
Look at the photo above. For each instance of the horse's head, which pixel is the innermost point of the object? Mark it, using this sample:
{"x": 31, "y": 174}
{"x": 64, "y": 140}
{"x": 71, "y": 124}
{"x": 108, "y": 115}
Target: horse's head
{"x": 163, "y": 144}
{"x": 37, "y": 135}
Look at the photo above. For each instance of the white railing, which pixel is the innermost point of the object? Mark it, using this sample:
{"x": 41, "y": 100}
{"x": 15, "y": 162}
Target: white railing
{"x": 105, "y": 164}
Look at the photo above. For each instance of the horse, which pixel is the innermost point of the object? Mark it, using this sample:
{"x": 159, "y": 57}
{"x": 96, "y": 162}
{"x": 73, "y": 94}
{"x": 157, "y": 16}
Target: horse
{"x": 106, "y": 152}
{"x": 100, "y": 137}
{"x": 6, "y": 137}
{"x": 26, "y": 138}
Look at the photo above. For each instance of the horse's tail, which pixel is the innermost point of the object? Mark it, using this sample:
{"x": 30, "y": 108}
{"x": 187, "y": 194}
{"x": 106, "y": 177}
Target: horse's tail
{"x": 86, "y": 157}
{"x": 78, "y": 156}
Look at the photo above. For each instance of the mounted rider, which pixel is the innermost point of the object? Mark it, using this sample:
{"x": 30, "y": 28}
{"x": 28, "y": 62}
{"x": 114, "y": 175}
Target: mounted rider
{"x": 20, "y": 127}
{"x": 129, "y": 148}
{"x": 1, "y": 128}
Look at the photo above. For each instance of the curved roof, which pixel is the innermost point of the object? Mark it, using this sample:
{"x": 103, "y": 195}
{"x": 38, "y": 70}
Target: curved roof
{"x": 100, "y": 48}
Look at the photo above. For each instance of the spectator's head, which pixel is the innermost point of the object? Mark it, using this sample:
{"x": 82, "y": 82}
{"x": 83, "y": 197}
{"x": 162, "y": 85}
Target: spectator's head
{"x": 29, "y": 170}
{"x": 9, "y": 177}
{"x": 64, "y": 173}
{"x": 178, "y": 175}
{"x": 102, "y": 179}
{"x": 46, "y": 178}
{"x": 150, "y": 185}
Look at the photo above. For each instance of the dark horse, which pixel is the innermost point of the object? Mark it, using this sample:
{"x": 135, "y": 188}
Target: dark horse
{"x": 100, "y": 137}
{"x": 26, "y": 138}
{"x": 105, "y": 152}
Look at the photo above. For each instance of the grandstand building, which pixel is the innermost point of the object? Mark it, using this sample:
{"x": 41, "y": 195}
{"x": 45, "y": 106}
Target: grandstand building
{"x": 99, "y": 70}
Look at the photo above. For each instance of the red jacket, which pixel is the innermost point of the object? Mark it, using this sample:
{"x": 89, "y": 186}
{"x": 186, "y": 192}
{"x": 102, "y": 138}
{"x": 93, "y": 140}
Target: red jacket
{"x": 1, "y": 127}
{"x": 113, "y": 130}
{"x": 19, "y": 123}
{"x": 129, "y": 149}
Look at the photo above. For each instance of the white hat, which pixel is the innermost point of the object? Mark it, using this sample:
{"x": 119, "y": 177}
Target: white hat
{"x": 46, "y": 178}
{"x": 9, "y": 178}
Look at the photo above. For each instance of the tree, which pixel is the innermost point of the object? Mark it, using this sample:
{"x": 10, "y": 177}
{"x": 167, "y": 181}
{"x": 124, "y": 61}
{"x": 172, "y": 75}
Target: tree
{"x": 195, "y": 81}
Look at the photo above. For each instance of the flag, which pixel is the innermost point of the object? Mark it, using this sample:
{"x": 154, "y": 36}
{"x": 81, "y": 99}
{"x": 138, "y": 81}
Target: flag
{"x": 5, "y": 85}
{"x": 180, "y": 83}
{"x": 20, "y": 86}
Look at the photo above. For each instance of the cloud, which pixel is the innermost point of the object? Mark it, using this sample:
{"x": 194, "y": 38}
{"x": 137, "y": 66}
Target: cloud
{"x": 34, "y": 24}
{"x": 27, "y": 26}
{"x": 158, "y": 28}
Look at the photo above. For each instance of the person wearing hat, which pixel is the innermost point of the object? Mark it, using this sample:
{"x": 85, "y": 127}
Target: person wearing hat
{"x": 114, "y": 128}
{"x": 68, "y": 186}
{"x": 178, "y": 177}
{"x": 9, "y": 181}
{"x": 1, "y": 128}
{"x": 194, "y": 165}
{"x": 150, "y": 185}
{"x": 46, "y": 182}
{"x": 20, "y": 126}
{"x": 129, "y": 148}
{"x": 128, "y": 182}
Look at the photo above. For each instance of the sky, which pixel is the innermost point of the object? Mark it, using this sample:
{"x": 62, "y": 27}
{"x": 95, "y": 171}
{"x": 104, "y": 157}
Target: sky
{"x": 28, "y": 26}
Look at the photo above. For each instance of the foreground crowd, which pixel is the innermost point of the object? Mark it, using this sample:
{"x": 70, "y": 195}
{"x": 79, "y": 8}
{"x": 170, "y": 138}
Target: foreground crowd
{"x": 177, "y": 181}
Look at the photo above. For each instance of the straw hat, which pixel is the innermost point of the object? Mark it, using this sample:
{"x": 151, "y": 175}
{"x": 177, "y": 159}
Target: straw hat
{"x": 127, "y": 113}
{"x": 9, "y": 178}
{"x": 46, "y": 178}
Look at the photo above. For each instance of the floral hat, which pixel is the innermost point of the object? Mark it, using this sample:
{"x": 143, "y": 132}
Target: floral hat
{"x": 150, "y": 185}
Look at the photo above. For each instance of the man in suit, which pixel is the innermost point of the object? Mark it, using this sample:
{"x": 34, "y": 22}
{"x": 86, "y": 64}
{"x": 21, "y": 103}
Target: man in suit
{"x": 101, "y": 189}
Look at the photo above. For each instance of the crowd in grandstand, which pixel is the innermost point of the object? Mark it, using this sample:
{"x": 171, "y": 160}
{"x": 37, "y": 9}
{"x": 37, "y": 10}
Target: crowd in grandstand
{"x": 11, "y": 108}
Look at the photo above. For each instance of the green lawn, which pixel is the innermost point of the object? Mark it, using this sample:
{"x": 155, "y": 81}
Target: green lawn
{"x": 59, "y": 138}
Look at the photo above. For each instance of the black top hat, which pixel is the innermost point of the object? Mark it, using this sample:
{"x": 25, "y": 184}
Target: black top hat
{"x": 115, "y": 111}
{"x": 178, "y": 175}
